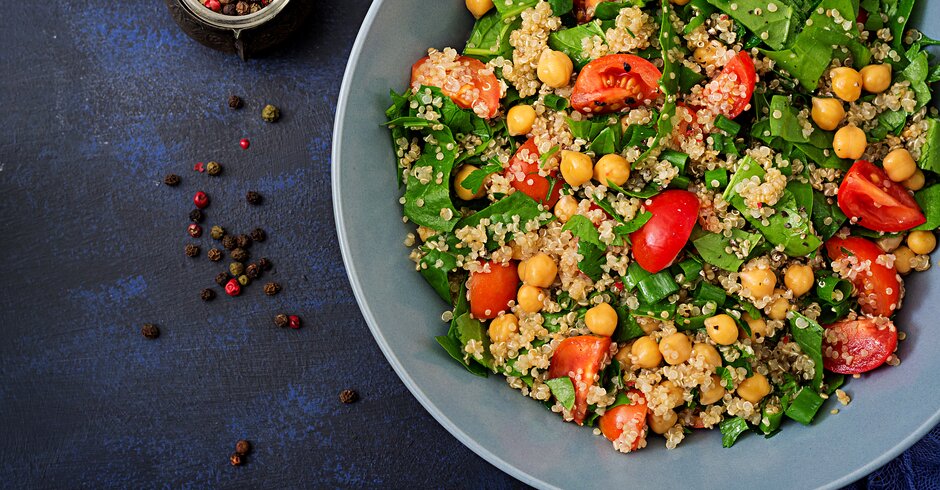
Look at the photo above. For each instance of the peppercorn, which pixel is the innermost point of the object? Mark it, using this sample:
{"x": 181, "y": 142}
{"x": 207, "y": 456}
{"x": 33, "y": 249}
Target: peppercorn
{"x": 222, "y": 278}
{"x": 281, "y": 320}
{"x": 196, "y": 216}
{"x": 217, "y": 232}
{"x": 242, "y": 447}
{"x": 270, "y": 113}
{"x": 230, "y": 10}
{"x": 228, "y": 242}
{"x": 233, "y": 288}
{"x": 214, "y": 254}
{"x": 207, "y": 294}
{"x": 199, "y": 167}
{"x": 172, "y": 180}
{"x": 242, "y": 8}
{"x": 194, "y": 230}
{"x": 236, "y": 268}
{"x": 258, "y": 235}
{"x": 239, "y": 255}
{"x": 272, "y": 288}
{"x": 192, "y": 250}
{"x": 244, "y": 280}
{"x": 150, "y": 331}
{"x": 214, "y": 168}
{"x": 253, "y": 271}
{"x": 235, "y": 102}
{"x": 253, "y": 198}
{"x": 254, "y": 8}
{"x": 244, "y": 143}
{"x": 236, "y": 459}
{"x": 243, "y": 241}
{"x": 293, "y": 321}
{"x": 201, "y": 199}
{"x": 265, "y": 264}
{"x": 348, "y": 396}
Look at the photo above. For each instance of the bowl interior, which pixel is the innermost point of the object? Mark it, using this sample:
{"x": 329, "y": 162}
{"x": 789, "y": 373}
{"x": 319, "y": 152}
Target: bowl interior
{"x": 891, "y": 409}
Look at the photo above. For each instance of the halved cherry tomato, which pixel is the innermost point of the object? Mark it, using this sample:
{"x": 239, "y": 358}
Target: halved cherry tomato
{"x": 616, "y": 419}
{"x": 491, "y": 292}
{"x": 524, "y": 176}
{"x": 481, "y": 94}
{"x": 660, "y": 240}
{"x": 580, "y": 359}
{"x": 734, "y": 85}
{"x": 879, "y": 291}
{"x": 857, "y": 346}
{"x": 877, "y": 203}
{"x": 613, "y": 82}
{"x": 584, "y": 9}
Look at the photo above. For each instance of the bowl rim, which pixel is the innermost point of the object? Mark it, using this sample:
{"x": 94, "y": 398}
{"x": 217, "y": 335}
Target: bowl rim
{"x": 372, "y": 322}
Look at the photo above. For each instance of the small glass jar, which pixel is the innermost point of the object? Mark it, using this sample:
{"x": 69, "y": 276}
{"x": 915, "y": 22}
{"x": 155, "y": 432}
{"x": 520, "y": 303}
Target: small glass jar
{"x": 245, "y": 35}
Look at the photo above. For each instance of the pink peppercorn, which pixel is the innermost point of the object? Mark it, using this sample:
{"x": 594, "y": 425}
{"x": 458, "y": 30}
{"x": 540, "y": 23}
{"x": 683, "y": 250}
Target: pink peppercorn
{"x": 244, "y": 143}
{"x": 293, "y": 321}
{"x": 201, "y": 199}
{"x": 194, "y": 230}
{"x": 199, "y": 167}
{"x": 233, "y": 288}
{"x": 214, "y": 5}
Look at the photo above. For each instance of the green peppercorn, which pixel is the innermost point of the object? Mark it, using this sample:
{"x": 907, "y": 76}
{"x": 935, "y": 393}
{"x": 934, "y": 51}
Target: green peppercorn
{"x": 236, "y": 268}
{"x": 213, "y": 168}
{"x": 270, "y": 113}
{"x": 243, "y": 280}
{"x": 217, "y": 232}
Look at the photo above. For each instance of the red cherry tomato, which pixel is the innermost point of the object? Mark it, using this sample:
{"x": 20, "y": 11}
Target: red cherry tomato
{"x": 491, "y": 292}
{"x": 879, "y": 291}
{"x": 584, "y": 9}
{"x": 857, "y": 346}
{"x": 730, "y": 92}
{"x": 613, "y": 82}
{"x": 580, "y": 359}
{"x": 660, "y": 240}
{"x": 879, "y": 204}
{"x": 633, "y": 416}
{"x": 481, "y": 93}
{"x": 523, "y": 174}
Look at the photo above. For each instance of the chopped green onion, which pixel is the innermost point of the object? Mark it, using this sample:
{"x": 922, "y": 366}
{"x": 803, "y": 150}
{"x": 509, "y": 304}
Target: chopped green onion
{"x": 727, "y": 125}
{"x": 804, "y": 406}
{"x": 656, "y": 287}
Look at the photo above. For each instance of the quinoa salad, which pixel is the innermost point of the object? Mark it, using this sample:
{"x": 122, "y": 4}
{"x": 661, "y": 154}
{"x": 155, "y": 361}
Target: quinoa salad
{"x": 661, "y": 217}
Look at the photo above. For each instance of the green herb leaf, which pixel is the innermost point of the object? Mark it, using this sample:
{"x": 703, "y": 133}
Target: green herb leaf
{"x": 435, "y": 268}
{"x": 472, "y": 329}
{"x": 634, "y": 224}
{"x": 930, "y": 153}
{"x": 627, "y": 326}
{"x": 731, "y": 429}
{"x": 452, "y": 346}
{"x": 581, "y": 227}
{"x": 808, "y": 335}
{"x": 563, "y": 390}
{"x": 490, "y": 37}
{"x": 713, "y": 247}
{"x": 510, "y": 8}
{"x": 474, "y": 181}
{"x": 672, "y": 53}
{"x": 569, "y": 41}
{"x": 726, "y": 380}
{"x": 592, "y": 258}
{"x": 827, "y": 217}
{"x": 561, "y": 7}
{"x": 929, "y": 200}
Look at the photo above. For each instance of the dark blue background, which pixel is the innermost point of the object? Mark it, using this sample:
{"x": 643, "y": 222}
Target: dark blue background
{"x": 98, "y": 101}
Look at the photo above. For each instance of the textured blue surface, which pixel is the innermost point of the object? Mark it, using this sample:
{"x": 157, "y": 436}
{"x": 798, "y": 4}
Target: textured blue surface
{"x": 97, "y": 105}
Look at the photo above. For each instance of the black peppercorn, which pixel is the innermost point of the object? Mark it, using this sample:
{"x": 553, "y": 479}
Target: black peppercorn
{"x": 217, "y": 232}
{"x": 230, "y": 10}
{"x": 228, "y": 242}
{"x": 243, "y": 241}
{"x": 235, "y": 102}
{"x": 214, "y": 254}
{"x": 192, "y": 250}
{"x": 348, "y": 396}
{"x": 213, "y": 168}
{"x": 172, "y": 180}
{"x": 258, "y": 235}
{"x": 239, "y": 255}
{"x": 196, "y": 216}
{"x": 253, "y": 271}
{"x": 242, "y": 447}
{"x": 222, "y": 278}
{"x": 281, "y": 320}
{"x": 265, "y": 264}
{"x": 272, "y": 288}
{"x": 236, "y": 268}
{"x": 207, "y": 294}
{"x": 242, "y": 8}
{"x": 270, "y": 113}
{"x": 150, "y": 331}
{"x": 253, "y": 198}
{"x": 235, "y": 459}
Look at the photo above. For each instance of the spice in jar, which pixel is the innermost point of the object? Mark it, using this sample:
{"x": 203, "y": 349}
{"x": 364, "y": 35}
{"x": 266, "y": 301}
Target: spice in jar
{"x": 258, "y": 235}
{"x": 235, "y": 102}
{"x": 253, "y": 198}
{"x": 192, "y": 250}
{"x": 244, "y": 280}
{"x": 201, "y": 199}
{"x": 253, "y": 271}
{"x": 236, "y": 268}
{"x": 270, "y": 113}
{"x": 242, "y": 447}
{"x": 272, "y": 288}
{"x": 239, "y": 255}
{"x": 243, "y": 241}
{"x": 222, "y": 278}
{"x": 196, "y": 216}
{"x": 194, "y": 230}
{"x": 214, "y": 254}
{"x": 172, "y": 180}
{"x": 228, "y": 242}
{"x": 207, "y": 294}
{"x": 233, "y": 288}
{"x": 265, "y": 264}
{"x": 217, "y": 232}
{"x": 348, "y": 396}
{"x": 213, "y": 5}
{"x": 150, "y": 331}
{"x": 213, "y": 168}
{"x": 281, "y": 320}
{"x": 293, "y": 321}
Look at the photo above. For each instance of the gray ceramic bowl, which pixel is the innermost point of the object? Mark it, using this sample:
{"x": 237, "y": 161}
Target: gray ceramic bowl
{"x": 891, "y": 409}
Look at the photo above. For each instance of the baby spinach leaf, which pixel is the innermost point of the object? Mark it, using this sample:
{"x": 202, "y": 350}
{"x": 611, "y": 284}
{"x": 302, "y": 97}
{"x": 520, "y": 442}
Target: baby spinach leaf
{"x": 561, "y": 7}
{"x": 713, "y": 248}
{"x": 503, "y": 211}
{"x": 586, "y": 129}
{"x": 808, "y": 335}
{"x": 731, "y": 429}
{"x": 472, "y": 329}
{"x": 510, "y": 8}
{"x": 490, "y": 37}
{"x": 669, "y": 42}
{"x": 779, "y": 25}
{"x": 889, "y": 122}
{"x": 929, "y": 200}
{"x": 827, "y": 217}
{"x": 627, "y": 326}
{"x": 930, "y": 153}
{"x": 435, "y": 268}
{"x": 570, "y": 41}
{"x": 563, "y": 390}
{"x": 607, "y": 141}
{"x": 916, "y": 73}
{"x": 726, "y": 380}
{"x": 428, "y": 197}
{"x": 453, "y": 347}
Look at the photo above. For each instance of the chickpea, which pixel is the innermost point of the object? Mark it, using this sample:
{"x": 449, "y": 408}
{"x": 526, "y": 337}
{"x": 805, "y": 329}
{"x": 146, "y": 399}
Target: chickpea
{"x": 902, "y": 259}
{"x": 710, "y": 354}
{"x": 850, "y": 142}
{"x": 916, "y": 182}
{"x": 576, "y": 167}
{"x": 503, "y": 327}
{"x": 707, "y": 54}
{"x": 760, "y": 282}
{"x": 713, "y": 394}
{"x": 466, "y": 194}
{"x": 755, "y": 388}
{"x": 565, "y": 208}
{"x": 521, "y": 268}
{"x": 876, "y": 78}
{"x": 722, "y": 329}
{"x": 676, "y": 348}
{"x": 757, "y": 325}
{"x": 623, "y": 356}
{"x": 846, "y": 83}
{"x": 479, "y": 7}
{"x": 827, "y": 113}
{"x": 921, "y": 242}
{"x": 540, "y": 271}
{"x": 900, "y": 165}
{"x": 519, "y": 119}
{"x": 778, "y": 309}
{"x": 613, "y": 168}
{"x": 673, "y": 394}
{"x": 799, "y": 278}
{"x": 661, "y": 424}
{"x": 890, "y": 243}
{"x": 554, "y": 68}
{"x": 645, "y": 353}
{"x": 529, "y": 298}
{"x": 601, "y": 320}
